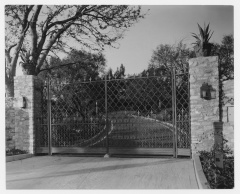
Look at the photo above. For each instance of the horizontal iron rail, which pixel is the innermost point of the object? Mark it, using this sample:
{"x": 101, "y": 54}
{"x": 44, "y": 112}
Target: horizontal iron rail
{"x": 109, "y": 80}
{"x": 112, "y": 150}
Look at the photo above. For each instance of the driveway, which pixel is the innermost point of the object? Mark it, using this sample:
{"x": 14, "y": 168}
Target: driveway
{"x": 71, "y": 172}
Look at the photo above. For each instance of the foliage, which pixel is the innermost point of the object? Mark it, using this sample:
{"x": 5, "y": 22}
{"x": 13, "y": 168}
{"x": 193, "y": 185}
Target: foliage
{"x": 76, "y": 66}
{"x": 225, "y": 53}
{"x": 164, "y": 60}
{"x": 44, "y": 31}
{"x": 15, "y": 151}
{"x": 204, "y": 36}
{"x": 166, "y": 56}
{"x": 218, "y": 178}
{"x": 139, "y": 94}
{"x": 118, "y": 74}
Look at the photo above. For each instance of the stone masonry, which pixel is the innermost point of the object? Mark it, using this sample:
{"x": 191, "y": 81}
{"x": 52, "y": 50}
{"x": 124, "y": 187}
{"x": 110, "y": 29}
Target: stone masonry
{"x": 9, "y": 123}
{"x": 203, "y": 112}
{"x": 27, "y": 86}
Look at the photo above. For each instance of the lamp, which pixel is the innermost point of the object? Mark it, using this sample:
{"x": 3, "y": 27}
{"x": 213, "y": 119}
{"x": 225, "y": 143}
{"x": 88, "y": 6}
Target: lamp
{"x": 213, "y": 93}
{"x": 22, "y": 103}
{"x": 207, "y": 91}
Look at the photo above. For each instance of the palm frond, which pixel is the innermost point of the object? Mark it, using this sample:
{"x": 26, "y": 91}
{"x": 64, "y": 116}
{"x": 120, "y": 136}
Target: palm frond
{"x": 201, "y": 31}
{"x": 210, "y": 36}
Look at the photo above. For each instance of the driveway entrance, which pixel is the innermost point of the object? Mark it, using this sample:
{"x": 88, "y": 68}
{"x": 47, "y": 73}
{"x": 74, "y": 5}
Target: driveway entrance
{"x": 144, "y": 115}
{"x": 61, "y": 172}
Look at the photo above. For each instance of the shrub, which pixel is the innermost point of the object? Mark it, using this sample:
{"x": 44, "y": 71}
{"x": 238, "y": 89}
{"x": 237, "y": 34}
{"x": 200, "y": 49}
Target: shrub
{"x": 218, "y": 178}
{"x": 15, "y": 152}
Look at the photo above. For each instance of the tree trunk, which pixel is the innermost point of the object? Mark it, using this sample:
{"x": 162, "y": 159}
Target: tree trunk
{"x": 9, "y": 88}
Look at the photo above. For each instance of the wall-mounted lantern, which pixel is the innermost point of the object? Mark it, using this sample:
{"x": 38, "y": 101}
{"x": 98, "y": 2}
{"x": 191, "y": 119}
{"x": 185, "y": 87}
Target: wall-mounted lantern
{"x": 22, "y": 103}
{"x": 207, "y": 91}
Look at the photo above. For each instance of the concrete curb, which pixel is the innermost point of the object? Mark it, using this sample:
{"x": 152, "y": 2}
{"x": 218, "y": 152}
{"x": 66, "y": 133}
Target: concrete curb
{"x": 18, "y": 157}
{"x": 201, "y": 179}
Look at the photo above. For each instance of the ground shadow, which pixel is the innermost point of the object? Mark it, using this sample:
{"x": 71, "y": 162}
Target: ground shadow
{"x": 103, "y": 169}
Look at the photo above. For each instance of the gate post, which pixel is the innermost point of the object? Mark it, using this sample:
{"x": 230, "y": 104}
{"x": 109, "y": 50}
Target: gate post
{"x": 27, "y": 91}
{"x": 174, "y": 112}
{"x": 49, "y": 118}
{"x": 106, "y": 123}
{"x": 204, "y": 111}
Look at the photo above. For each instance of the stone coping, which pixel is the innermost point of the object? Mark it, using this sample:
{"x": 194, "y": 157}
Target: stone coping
{"x": 200, "y": 176}
{"x": 18, "y": 157}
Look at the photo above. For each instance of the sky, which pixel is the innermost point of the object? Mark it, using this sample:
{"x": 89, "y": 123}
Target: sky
{"x": 167, "y": 25}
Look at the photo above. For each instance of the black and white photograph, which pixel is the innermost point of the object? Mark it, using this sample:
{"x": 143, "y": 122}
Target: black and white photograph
{"x": 125, "y": 95}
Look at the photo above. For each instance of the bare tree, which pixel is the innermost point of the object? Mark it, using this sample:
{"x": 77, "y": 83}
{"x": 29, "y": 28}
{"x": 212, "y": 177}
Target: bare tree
{"x": 37, "y": 31}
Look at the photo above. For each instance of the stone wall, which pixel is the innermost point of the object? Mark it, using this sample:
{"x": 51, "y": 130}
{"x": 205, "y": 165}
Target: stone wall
{"x": 9, "y": 123}
{"x": 228, "y": 112}
{"x": 203, "y": 112}
{"x": 28, "y": 87}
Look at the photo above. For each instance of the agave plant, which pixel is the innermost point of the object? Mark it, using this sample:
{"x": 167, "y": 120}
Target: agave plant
{"x": 25, "y": 56}
{"x": 202, "y": 46}
{"x": 27, "y": 65}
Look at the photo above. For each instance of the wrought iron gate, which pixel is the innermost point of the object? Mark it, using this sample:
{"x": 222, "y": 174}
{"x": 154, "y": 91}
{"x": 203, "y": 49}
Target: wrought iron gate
{"x": 137, "y": 115}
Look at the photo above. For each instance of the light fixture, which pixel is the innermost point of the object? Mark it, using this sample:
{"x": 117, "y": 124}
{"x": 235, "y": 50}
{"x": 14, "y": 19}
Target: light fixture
{"x": 22, "y": 103}
{"x": 207, "y": 91}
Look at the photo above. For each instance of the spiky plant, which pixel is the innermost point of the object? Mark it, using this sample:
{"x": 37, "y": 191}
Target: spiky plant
{"x": 204, "y": 36}
{"x": 26, "y": 63}
{"x": 202, "y": 46}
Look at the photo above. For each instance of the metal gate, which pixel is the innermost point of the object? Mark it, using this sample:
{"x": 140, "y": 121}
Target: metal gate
{"x": 146, "y": 115}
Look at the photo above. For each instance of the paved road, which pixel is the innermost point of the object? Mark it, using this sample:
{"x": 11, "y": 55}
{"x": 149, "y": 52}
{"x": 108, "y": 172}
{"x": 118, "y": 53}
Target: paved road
{"x": 66, "y": 172}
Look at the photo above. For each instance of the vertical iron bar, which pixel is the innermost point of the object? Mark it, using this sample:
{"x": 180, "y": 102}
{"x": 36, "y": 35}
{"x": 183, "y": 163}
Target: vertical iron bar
{"x": 173, "y": 112}
{"x": 189, "y": 117}
{"x": 49, "y": 119}
{"x": 175, "y": 115}
{"x": 106, "y": 111}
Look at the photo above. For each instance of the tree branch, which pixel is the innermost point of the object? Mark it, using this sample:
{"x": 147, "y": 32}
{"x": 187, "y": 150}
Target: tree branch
{"x": 50, "y": 44}
{"x": 10, "y": 47}
{"x": 34, "y": 35}
{"x": 78, "y": 13}
{"x": 25, "y": 27}
{"x": 59, "y": 66}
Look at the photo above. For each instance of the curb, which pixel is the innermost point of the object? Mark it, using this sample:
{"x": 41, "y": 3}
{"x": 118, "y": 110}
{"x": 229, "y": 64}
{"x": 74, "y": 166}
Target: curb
{"x": 200, "y": 176}
{"x": 18, "y": 157}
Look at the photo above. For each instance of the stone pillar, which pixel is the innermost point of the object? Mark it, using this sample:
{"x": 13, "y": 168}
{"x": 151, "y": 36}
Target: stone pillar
{"x": 203, "y": 112}
{"x": 9, "y": 122}
{"x": 27, "y": 86}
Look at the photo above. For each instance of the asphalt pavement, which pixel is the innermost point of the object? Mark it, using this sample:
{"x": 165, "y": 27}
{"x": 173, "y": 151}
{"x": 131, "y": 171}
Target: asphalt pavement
{"x": 74, "y": 172}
